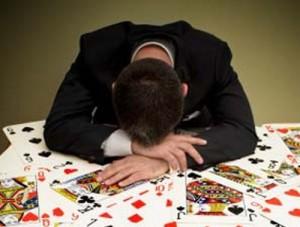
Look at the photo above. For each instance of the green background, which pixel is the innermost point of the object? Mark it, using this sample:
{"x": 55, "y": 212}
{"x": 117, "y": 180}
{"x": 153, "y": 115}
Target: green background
{"x": 39, "y": 40}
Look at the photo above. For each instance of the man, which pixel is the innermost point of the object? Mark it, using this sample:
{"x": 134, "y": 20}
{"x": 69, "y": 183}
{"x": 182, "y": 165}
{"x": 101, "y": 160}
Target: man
{"x": 152, "y": 98}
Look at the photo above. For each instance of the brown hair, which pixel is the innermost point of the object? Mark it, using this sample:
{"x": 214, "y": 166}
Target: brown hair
{"x": 148, "y": 100}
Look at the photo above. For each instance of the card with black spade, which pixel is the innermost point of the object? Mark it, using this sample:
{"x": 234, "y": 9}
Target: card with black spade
{"x": 205, "y": 199}
{"x": 27, "y": 139}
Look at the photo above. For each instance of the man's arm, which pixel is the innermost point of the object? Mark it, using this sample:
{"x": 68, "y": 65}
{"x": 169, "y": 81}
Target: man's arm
{"x": 232, "y": 134}
{"x": 68, "y": 127}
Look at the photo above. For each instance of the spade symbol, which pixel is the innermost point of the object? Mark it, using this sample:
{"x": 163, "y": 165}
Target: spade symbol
{"x": 236, "y": 209}
{"x": 45, "y": 154}
{"x": 35, "y": 140}
{"x": 194, "y": 175}
{"x": 27, "y": 129}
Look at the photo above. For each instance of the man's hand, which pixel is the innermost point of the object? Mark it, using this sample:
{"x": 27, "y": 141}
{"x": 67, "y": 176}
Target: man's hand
{"x": 172, "y": 149}
{"x": 131, "y": 169}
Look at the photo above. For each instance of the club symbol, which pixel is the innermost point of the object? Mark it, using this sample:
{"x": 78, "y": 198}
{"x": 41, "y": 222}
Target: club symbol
{"x": 35, "y": 140}
{"x": 263, "y": 147}
{"x": 86, "y": 199}
{"x": 255, "y": 160}
{"x": 45, "y": 154}
{"x": 27, "y": 129}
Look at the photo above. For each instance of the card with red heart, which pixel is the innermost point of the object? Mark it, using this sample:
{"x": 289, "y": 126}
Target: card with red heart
{"x": 283, "y": 206}
{"x": 290, "y": 135}
{"x": 19, "y": 201}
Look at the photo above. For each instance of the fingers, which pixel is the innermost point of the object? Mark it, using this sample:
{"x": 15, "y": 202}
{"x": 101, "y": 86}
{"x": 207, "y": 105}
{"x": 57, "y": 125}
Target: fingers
{"x": 134, "y": 178}
{"x": 181, "y": 158}
{"x": 172, "y": 160}
{"x": 190, "y": 150}
{"x": 191, "y": 139}
{"x": 110, "y": 171}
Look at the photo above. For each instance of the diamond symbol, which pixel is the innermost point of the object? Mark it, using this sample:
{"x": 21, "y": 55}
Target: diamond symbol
{"x": 135, "y": 218}
{"x": 138, "y": 204}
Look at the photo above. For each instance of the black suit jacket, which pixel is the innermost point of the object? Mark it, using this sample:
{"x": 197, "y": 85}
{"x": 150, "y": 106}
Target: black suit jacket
{"x": 82, "y": 116}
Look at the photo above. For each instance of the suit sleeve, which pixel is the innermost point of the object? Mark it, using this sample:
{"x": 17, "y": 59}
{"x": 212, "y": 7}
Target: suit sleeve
{"x": 232, "y": 134}
{"x": 69, "y": 127}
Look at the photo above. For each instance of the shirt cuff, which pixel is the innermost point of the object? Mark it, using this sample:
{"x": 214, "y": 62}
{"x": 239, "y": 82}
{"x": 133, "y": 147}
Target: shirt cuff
{"x": 117, "y": 144}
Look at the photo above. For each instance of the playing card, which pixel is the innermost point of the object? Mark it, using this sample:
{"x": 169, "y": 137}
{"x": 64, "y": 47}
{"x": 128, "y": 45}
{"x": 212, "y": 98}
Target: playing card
{"x": 10, "y": 161}
{"x": 135, "y": 208}
{"x": 252, "y": 184}
{"x": 281, "y": 208}
{"x": 270, "y": 160}
{"x": 53, "y": 208}
{"x": 207, "y": 199}
{"x": 19, "y": 201}
{"x": 28, "y": 140}
{"x": 85, "y": 186}
{"x": 290, "y": 135}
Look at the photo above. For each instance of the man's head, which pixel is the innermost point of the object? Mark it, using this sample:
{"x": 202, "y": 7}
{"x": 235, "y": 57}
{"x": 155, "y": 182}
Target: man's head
{"x": 148, "y": 99}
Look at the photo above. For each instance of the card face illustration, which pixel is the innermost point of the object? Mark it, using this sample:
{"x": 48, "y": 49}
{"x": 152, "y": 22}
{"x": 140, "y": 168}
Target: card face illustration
{"x": 254, "y": 183}
{"x": 207, "y": 197}
{"x": 18, "y": 201}
{"x": 80, "y": 189}
{"x": 208, "y": 201}
{"x": 290, "y": 135}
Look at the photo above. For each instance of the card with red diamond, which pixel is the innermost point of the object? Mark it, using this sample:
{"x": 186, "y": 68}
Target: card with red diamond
{"x": 135, "y": 209}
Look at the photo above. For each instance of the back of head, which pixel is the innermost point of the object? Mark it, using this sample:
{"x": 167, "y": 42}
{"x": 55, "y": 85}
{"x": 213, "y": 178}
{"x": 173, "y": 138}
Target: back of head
{"x": 148, "y": 100}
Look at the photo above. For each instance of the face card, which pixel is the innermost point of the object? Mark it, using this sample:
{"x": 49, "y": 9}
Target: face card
{"x": 80, "y": 188}
{"x": 271, "y": 159}
{"x": 19, "y": 202}
{"x": 207, "y": 199}
{"x": 253, "y": 184}
{"x": 290, "y": 135}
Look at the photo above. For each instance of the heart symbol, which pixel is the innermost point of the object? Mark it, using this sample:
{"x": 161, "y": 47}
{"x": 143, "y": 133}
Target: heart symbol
{"x": 274, "y": 201}
{"x": 266, "y": 210}
{"x": 58, "y": 212}
{"x": 69, "y": 171}
{"x": 292, "y": 192}
{"x": 30, "y": 217}
{"x": 283, "y": 130}
{"x": 295, "y": 212}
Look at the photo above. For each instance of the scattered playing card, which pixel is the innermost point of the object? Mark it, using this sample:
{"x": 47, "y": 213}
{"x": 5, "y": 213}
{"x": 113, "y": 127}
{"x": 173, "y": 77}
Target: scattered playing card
{"x": 19, "y": 203}
{"x": 207, "y": 199}
{"x": 134, "y": 208}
